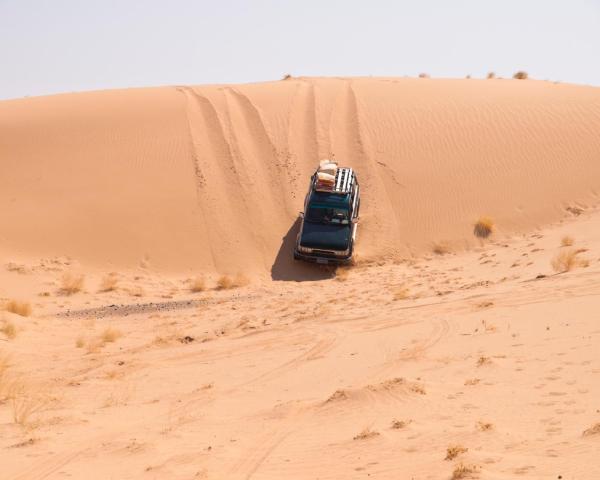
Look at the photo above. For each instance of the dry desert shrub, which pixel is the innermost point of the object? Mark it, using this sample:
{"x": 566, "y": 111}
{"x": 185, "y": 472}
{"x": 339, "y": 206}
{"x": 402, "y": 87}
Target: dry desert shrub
{"x": 20, "y": 308}
{"x": 484, "y": 227}
{"x": 95, "y": 345}
{"x": 464, "y": 471}
{"x": 110, "y": 335}
{"x": 575, "y": 210}
{"x": 491, "y": 75}
{"x": 567, "y": 260}
{"x": 71, "y": 283}
{"x": 401, "y": 293}
{"x": 483, "y": 360}
{"x": 398, "y": 424}
{"x": 423, "y": 75}
{"x": 287, "y": 76}
{"x": 337, "y": 395}
{"x": 8, "y": 329}
{"x": 366, "y": 433}
{"x": 454, "y": 451}
{"x": 109, "y": 283}
{"x": 593, "y": 430}
{"x": 520, "y": 75}
{"x": 441, "y": 248}
{"x": 225, "y": 282}
{"x": 198, "y": 284}
{"x": 417, "y": 388}
{"x": 25, "y": 403}
{"x": 567, "y": 241}
{"x": 472, "y": 381}
{"x": 484, "y": 426}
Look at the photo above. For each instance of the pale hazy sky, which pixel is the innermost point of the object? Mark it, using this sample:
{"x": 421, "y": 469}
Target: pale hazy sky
{"x": 73, "y": 45}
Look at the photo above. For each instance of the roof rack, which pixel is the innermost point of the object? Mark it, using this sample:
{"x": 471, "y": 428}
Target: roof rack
{"x": 344, "y": 180}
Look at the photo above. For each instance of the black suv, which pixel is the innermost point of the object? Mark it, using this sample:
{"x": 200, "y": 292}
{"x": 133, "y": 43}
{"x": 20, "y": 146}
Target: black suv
{"x": 329, "y": 220}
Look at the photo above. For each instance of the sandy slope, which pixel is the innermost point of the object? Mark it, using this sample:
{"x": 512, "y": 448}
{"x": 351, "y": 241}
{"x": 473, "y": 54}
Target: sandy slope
{"x": 212, "y": 177}
{"x": 370, "y": 372}
{"x": 276, "y": 380}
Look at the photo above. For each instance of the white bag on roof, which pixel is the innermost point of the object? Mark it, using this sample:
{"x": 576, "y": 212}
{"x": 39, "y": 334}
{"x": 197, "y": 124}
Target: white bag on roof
{"x": 324, "y": 177}
{"x": 328, "y": 166}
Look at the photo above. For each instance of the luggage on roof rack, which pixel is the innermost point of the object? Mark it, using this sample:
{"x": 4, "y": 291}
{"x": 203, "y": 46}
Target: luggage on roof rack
{"x": 340, "y": 181}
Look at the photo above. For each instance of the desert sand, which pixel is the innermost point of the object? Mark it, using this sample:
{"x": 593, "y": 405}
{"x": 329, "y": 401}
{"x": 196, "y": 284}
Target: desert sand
{"x": 154, "y": 325}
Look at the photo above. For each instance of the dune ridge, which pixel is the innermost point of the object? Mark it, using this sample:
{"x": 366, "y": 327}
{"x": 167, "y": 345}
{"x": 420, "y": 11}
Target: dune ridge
{"x": 211, "y": 178}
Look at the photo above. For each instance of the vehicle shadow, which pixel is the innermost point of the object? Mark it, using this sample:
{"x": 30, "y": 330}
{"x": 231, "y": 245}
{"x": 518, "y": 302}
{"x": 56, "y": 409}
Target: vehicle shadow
{"x": 285, "y": 268}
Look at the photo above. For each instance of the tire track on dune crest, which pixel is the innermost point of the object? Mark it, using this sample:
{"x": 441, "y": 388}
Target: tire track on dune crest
{"x": 302, "y": 138}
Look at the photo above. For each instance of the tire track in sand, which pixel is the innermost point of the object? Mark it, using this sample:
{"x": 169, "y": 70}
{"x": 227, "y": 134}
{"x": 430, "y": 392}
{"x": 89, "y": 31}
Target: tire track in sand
{"x": 218, "y": 183}
{"x": 261, "y": 173}
{"x": 349, "y": 141}
{"x": 438, "y": 331}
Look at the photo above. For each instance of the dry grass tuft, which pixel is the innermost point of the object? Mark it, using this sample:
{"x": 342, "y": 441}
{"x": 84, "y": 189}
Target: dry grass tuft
{"x": 567, "y": 241}
{"x": 198, "y": 284}
{"x": 80, "y": 341}
{"x": 441, "y": 248}
{"x": 484, "y": 426}
{"x": 567, "y": 260}
{"x": 521, "y": 75}
{"x": 398, "y": 424}
{"x": 464, "y": 471}
{"x": 225, "y": 282}
{"x": 593, "y": 430}
{"x": 109, "y": 283}
{"x": 472, "y": 381}
{"x": 401, "y": 293}
{"x": 423, "y": 75}
{"x": 287, "y": 76}
{"x": 454, "y": 451}
{"x": 20, "y": 308}
{"x": 366, "y": 434}
{"x": 337, "y": 395}
{"x": 8, "y": 329}
{"x": 25, "y": 403}
{"x": 483, "y": 360}
{"x": 418, "y": 388}
{"x": 491, "y": 75}
{"x": 110, "y": 335}
{"x": 136, "y": 291}
{"x": 484, "y": 227}
{"x": 71, "y": 283}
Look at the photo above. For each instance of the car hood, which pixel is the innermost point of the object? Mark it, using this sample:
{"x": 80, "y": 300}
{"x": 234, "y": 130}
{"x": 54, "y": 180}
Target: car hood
{"x": 324, "y": 236}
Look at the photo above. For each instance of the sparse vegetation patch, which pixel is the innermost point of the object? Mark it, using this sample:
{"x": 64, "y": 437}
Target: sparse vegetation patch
{"x": 19, "y": 308}
{"x": 71, "y": 283}
{"x": 484, "y": 227}
{"x": 454, "y": 451}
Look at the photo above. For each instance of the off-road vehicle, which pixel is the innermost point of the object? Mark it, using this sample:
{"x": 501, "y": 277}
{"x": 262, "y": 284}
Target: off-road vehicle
{"x": 329, "y": 221}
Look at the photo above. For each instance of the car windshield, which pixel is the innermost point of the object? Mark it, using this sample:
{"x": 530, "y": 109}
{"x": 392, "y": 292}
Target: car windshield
{"x": 324, "y": 213}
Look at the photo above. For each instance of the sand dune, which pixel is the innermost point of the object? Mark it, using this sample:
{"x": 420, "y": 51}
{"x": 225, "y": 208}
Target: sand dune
{"x": 212, "y": 177}
{"x": 124, "y": 355}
